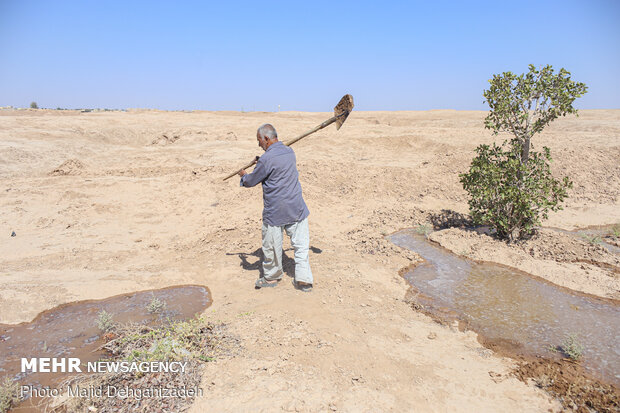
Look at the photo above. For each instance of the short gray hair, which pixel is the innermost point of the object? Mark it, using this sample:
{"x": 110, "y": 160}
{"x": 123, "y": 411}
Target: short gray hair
{"x": 267, "y": 131}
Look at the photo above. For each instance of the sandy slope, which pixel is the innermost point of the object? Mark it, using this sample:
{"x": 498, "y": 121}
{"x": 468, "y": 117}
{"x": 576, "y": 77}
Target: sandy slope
{"x": 141, "y": 204}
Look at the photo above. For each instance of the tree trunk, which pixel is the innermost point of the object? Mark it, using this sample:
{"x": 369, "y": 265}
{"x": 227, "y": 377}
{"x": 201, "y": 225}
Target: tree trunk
{"x": 525, "y": 151}
{"x": 525, "y": 155}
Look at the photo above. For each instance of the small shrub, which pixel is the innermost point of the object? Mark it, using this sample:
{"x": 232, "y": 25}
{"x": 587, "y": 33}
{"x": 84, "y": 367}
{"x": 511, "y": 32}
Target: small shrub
{"x": 570, "y": 347}
{"x": 156, "y": 306}
{"x": 592, "y": 239}
{"x": 104, "y": 321}
{"x": 33, "y": 105}
{"x": 423, "y": 229}
{"x": 9, "y": 394}
{"x": 245, "y": 314}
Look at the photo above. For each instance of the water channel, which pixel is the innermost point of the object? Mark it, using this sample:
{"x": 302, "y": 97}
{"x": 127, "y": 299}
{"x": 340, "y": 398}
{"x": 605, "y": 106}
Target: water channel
{"x": 506, "y": 304}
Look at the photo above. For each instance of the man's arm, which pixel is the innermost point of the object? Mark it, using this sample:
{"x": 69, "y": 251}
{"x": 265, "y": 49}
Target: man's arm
{"x": 259, "y": 174}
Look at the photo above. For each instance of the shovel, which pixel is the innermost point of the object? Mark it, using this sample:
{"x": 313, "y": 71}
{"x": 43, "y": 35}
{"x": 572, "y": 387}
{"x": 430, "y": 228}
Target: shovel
{"x": 341, "y": 112}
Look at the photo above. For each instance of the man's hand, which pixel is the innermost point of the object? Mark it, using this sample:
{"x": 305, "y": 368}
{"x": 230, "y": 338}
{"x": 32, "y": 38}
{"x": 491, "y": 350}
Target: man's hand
{"x": 243, "y": 172}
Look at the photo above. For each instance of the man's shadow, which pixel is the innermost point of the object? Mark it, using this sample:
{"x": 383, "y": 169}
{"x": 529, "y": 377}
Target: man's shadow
{"x": 253, "y": 261}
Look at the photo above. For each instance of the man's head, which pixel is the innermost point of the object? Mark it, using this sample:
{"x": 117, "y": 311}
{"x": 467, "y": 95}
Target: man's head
{"x": 266, "y": 135}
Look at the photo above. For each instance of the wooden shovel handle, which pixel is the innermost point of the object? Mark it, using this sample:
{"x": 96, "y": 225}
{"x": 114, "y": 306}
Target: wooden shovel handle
{"x": 245, "y": 167}
{"x": 289, "y": 143}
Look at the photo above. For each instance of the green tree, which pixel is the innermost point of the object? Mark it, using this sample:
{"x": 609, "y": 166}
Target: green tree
{"x": 511, "y": 186}
{"x": 33, "y": 105}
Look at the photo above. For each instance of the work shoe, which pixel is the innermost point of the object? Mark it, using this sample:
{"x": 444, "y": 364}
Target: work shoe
{"x": 263, "y": 283}
{"x": 302, "y": 286}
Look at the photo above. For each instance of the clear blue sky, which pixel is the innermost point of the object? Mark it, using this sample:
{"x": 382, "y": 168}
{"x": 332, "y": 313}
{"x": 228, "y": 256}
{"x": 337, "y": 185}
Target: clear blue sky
{"x": 228, "y": 55}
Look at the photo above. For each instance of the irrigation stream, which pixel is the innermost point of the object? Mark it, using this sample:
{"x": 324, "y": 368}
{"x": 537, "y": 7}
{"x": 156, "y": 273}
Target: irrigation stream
{"x": 505, "y": 304}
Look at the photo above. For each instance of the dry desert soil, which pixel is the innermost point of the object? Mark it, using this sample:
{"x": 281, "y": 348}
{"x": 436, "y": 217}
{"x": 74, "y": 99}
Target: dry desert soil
{"x": 104, "y": 203}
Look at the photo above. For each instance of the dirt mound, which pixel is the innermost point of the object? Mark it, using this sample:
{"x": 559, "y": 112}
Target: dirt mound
{"x": 69, "y": 167}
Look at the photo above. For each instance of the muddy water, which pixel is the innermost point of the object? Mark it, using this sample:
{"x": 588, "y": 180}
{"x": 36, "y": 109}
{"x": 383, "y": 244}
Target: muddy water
{"x": 71, "y": 330}
{"x": 505, "y": 304}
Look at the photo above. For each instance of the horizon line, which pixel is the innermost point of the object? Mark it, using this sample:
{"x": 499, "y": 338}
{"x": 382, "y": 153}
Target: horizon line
{"x": 89, "y": 110}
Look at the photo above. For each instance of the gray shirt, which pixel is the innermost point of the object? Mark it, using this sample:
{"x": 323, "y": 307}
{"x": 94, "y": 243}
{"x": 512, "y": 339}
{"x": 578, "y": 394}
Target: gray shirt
{"x": 282, "y": 199}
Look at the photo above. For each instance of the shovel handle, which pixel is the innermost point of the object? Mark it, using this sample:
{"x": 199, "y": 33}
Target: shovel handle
{"x": 292, "y": 141}
{"x": 245, "y": 167}
{"x": 311, "y": 131}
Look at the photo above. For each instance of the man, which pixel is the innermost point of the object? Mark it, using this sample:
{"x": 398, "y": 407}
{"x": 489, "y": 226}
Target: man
{"x": 284, "y": 210}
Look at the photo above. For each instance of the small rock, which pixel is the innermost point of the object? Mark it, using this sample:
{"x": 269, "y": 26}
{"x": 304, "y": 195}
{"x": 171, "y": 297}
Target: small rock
{"x": 432, "y": 335}
{"x": 357, "y": 379}
{"x": 13, "y": 233}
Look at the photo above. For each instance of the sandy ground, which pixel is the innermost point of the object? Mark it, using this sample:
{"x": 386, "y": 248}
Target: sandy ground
{"x": 107, "y": 203}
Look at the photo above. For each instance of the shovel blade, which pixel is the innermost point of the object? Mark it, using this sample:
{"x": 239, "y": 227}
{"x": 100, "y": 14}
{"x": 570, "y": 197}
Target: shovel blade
{"x": 342, "y": 110}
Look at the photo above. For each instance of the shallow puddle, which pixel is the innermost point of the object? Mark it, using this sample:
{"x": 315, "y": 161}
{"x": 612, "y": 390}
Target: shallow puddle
{"x": 505, "y": 304}
{"x": 71, "y": 330}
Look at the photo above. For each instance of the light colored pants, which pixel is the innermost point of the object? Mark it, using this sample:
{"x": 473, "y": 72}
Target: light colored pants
{"x": 272, "y": 251}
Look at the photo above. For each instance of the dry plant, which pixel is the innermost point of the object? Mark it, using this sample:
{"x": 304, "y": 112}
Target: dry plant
{"x": 424, "y": 229}
{"x": 104, "y": 321}
{"x": 570, "y": 347}
{"x": 195, "y": 342}
{"x": 156, "y": 306}
{"x": 9, "y": 394}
